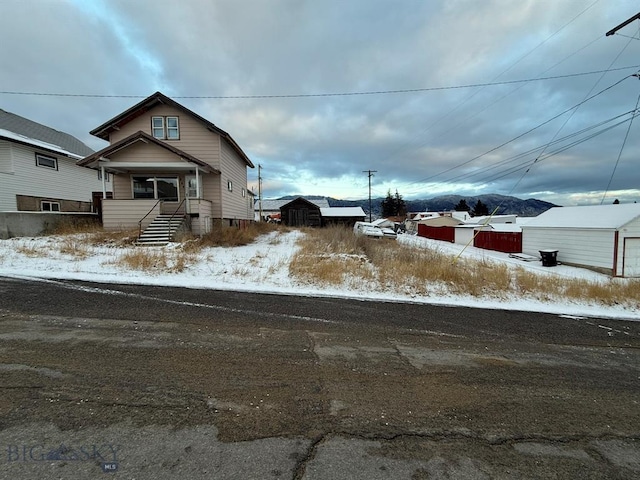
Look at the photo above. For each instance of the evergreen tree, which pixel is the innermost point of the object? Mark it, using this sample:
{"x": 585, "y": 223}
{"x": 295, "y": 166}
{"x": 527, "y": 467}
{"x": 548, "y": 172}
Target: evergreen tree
{"x": 480, "y": 209}
{"x": 388, "y": 206}
{"x": 462, "y": 206}
{"x": 400, "y": 205}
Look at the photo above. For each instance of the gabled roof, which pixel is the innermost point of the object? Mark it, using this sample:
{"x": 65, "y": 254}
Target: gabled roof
{"x": 141, "y": 136}
{"x": 592, "y": 216}
{"x": 150, "y": 102}
{"x": 28, "y": 132}
{"x": 268, "y": 205}
{"x": 300, "y": 199}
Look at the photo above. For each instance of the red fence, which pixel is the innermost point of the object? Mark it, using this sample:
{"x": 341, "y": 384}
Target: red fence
{"x": 508, "y": 242}
{"x": 446, "y": 234}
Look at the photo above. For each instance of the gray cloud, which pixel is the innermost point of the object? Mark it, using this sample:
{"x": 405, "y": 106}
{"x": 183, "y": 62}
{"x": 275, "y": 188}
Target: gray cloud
{"x": 321, "y": 145}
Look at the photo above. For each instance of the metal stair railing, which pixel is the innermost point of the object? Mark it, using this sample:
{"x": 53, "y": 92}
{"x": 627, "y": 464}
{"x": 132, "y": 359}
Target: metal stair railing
{"x": 148, "y": 213}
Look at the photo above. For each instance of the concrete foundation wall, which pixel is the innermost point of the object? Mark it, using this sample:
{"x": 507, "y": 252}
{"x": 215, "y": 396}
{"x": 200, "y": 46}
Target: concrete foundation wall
{"x": 32, "y": 224}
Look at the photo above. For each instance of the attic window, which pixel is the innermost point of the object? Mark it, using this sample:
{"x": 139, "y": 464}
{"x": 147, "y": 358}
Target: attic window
{"x": 165, "y": 128}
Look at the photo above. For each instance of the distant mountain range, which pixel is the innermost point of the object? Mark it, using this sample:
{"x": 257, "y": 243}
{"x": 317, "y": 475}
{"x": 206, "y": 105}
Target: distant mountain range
{"x": 507, "y": 205}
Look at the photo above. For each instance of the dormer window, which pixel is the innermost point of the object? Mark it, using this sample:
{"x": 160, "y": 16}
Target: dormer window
{"x": 165, "y": 128}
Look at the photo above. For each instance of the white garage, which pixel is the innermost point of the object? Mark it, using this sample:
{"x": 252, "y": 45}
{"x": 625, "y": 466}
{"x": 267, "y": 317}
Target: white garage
{"x": 605, "y": 238}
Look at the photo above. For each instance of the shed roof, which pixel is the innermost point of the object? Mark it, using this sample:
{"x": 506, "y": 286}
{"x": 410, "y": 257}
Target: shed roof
{"x": 268, "y": 205}
{"x": 342, "y": 212}
{"x": 587, "y": 217}
{"x": 32, "y": 133}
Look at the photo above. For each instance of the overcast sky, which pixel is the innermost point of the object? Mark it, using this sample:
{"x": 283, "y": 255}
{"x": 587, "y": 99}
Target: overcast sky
{"x": 437, "y": 129}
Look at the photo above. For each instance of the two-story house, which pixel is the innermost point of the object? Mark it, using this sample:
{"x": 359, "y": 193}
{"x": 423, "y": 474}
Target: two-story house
{"x": 38, "y": 171}
{"x": 166, "y": 159}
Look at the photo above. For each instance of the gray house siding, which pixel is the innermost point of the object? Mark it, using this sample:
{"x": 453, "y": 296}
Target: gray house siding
{"x": 67, "y": 182}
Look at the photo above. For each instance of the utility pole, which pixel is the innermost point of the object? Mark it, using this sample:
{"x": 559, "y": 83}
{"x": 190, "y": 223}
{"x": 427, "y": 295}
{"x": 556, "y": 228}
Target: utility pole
{"x": 260, "y": 191}
{"x": 623, "y": 24}
{"x": 370, "y": 174}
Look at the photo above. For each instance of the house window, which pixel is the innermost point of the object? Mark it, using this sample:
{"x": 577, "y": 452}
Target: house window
{"x": 230, "y": 185}
{"x": 45, "y": 161}
{"x": 47, "y": 206}
{"x": 165, "y": 128}
{"x": 162, "y": 188}
{"x": 244, "y": 193}
{"x": 192, "y": 187}
{"x": 157, "y": 127}
{"x": 173, "y": 132}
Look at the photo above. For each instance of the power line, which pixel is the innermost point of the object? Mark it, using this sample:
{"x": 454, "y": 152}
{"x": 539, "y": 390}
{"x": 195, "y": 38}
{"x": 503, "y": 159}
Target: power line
{"x": 329, "y": 94}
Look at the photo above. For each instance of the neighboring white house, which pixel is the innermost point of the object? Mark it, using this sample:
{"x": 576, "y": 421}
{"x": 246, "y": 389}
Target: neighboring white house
{"x": 605, "y": 238}
{"x": 38, "y": 170}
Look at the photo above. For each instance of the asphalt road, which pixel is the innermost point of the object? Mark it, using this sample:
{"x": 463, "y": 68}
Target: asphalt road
{"x": 155, "y": 382}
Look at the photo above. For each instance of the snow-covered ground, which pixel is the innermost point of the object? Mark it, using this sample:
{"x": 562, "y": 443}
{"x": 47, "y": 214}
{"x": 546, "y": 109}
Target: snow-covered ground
{"x": 263, "y": 267}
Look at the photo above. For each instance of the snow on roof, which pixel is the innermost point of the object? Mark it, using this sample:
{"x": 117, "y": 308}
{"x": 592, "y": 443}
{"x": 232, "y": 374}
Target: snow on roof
{"x": 592, "y": 216}
{"x": 28, "y": 129}
{"x": 37, "y": 143}
{"x": 383, "y": 221}
{"x": 342, "y": 212}
{"x": 492, "y": 219}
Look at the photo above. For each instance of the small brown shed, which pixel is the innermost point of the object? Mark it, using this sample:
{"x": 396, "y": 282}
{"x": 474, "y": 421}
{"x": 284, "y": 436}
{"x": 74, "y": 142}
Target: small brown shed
{"x": 300, "y": 212}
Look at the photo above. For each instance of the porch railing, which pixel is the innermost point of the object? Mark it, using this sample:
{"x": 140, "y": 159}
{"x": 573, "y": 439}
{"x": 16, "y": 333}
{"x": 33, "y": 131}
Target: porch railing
{"x": 148, "y": 213}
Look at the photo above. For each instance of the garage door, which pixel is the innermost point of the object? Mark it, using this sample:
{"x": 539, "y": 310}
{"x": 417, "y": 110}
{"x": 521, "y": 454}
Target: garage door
{"x": 631, "y": 257}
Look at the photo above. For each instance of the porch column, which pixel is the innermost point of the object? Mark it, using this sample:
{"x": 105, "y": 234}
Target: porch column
{"x": 104, "y": 182}
{"x": 198, "y": 183}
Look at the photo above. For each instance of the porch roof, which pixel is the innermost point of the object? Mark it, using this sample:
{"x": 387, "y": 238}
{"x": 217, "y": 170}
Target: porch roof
{"x": 100, "y": 158}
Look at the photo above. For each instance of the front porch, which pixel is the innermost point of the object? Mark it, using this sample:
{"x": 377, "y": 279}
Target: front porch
{"x": 139, "y": 213}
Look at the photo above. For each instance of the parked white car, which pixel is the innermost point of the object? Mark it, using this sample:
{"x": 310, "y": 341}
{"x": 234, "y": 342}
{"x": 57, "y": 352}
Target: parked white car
{"x": 373, "y": 231}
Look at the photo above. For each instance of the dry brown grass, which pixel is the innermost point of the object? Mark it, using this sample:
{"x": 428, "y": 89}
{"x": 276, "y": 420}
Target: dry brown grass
{"x": 144, "y": 259}
{"x": 118, "y": 238}
{"x": 30, "y": 251}
{"x": 335, "y": 255}
{"x": 75, "y": 246}
{"x": 228, "y": 237}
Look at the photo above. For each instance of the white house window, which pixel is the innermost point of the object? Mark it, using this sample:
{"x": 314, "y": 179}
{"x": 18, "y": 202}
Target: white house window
{"x": 244, "y": 193}
{"x": 157, "y": 127}
{"x": 173, "y": 132}
{"x": 45, "y": 161}
{"x": 230, "y": 185}
{"x": 47, "y": 206}
{"x": 165, "y": 128}
{"x": 192, "y": 187}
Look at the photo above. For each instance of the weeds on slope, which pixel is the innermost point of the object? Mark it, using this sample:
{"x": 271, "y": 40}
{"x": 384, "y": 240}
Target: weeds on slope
{"x": 336, "y": 256}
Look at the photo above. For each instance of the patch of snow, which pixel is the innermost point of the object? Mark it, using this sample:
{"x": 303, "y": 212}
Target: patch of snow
{"x": 263, "y": 267}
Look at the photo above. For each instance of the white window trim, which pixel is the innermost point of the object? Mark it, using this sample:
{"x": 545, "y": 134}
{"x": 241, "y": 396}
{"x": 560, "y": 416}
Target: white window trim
{"x": 51, "y": 206}
{"x": 165, "y": 127}
{"x": 107, "y": 176}
{"x": 40, "y": 156}
{"x": 153, "y": 128}
{"x": 230, "y": 185}
{"x": 176, "y": 128}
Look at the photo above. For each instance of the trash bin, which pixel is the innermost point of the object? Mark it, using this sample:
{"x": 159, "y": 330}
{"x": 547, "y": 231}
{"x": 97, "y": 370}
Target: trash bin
{"x": 549, "y": 257}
